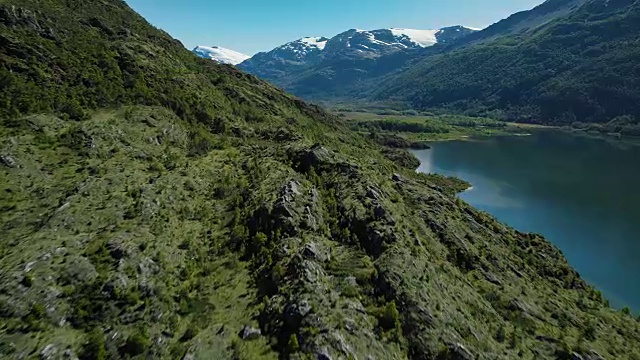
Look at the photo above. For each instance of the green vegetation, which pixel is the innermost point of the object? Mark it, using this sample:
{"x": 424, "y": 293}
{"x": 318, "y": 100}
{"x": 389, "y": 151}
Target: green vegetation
{"x": 580, "y": 67}
{"x": 158, "y": 206}
{"x": 94, "y": 348}
{"x": 136, "y": 344}
{"x": 416, "y": 131}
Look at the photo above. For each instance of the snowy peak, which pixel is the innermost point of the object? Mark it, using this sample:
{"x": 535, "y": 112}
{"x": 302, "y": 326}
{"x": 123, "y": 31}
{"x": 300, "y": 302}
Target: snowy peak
{"x": 220, "y": 54}
{"x": 397, "y": 38}
{"x": 300, "y": 49}
{"x": 356, "y": 43}
{"x": 345, "y": 49}
{"x": 314, "y": 42}
{"x": 423, "y": 38}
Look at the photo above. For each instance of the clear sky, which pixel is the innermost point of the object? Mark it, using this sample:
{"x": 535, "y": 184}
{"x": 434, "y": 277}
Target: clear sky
{"x": 251, "y": 26}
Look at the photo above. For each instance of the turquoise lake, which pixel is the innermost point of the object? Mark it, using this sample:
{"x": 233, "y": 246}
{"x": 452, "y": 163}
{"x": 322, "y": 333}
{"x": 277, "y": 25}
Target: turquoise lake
{"x": 581, "y": 193}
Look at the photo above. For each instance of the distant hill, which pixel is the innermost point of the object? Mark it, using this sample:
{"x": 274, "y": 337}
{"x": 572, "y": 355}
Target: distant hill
{"x": 524, "y": 21}
{"x": 580, "y": 66}
{"x": 564, "y": 62}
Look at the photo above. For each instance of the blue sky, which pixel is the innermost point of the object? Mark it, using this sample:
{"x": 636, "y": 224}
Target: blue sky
{"x": 250, "y": 26}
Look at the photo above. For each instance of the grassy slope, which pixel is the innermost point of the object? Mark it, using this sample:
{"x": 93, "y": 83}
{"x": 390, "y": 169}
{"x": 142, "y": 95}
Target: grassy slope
{"x": 156, "y": 213}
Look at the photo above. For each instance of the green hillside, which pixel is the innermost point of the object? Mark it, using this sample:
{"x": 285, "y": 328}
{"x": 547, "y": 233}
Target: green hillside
{"x": 154, "y": 205}
{"x": 582, "y": 67}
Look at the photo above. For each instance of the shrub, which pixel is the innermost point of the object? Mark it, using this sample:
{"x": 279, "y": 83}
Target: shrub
{"x": 500, "y": 334}
{"x": 74, "y": 111}
{"x": 189, "y": 334}
{"x": 389, "y": 317}
{"x": 136, "y": 344}
{"x": 94, "y": 348}
{"x": 293, "y": 345}
{"x": 27, "y": 281}
{"x": 33, "y": 320}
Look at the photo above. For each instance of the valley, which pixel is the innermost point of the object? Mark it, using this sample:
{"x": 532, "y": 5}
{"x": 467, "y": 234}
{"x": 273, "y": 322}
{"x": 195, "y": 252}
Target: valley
{"x": 162, "y": 204}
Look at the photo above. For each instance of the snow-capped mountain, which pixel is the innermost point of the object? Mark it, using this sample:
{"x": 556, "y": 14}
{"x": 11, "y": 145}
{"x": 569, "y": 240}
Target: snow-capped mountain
{"x": 295, "y": 52}
{"x": 319, "y": 57}
{"x": 301, "y": 48}
{"x": 375, "y": 43}
{"x": 220, "y": 54}
{"x": 355, "y": 42}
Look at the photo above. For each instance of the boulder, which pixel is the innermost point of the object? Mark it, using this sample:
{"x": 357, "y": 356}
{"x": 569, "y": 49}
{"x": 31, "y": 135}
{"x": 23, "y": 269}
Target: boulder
{"x": 294, "y": 313}
{"x": 458, "y": 351}
{"x": 314, "y": 157}
{"x": 49, "y": 352}
{"x": 490, "y": 277}
{"x": 79, "y": 270}
{"x": 147, "y": 267}
{"x": 323, "y": 354}
{"x": 7, "y": 161}
{"x": 374, "y": 194}
{"x": 249, "y": 333}
{"x": 68, "y": 354}
{"x": 311, "y": 221}
{"x": 116, "y": 286}
{"x": 311, "y": 252}
{"x": 117, "y": 248}
{"x": 398, "y": 178}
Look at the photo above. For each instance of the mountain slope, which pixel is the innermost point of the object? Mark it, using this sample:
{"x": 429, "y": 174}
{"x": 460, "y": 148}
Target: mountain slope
{"x": 579, "y": 67}
{"x": 157, "y": 205}
{"x": 524, "y": 21}
{"x": 346, "y": 59}
{"x": 221, "y": 55}
{"x": 285, "y": 58}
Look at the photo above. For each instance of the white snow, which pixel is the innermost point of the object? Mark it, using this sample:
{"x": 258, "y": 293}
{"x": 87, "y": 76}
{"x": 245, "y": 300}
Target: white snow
{"x": 314, "y": 42}
{"x": 220, "y": 54}
{"x": 424, "y": 38}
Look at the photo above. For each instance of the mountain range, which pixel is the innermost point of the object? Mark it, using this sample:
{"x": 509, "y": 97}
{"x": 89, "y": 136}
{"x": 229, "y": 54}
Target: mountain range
{"x": 351, "y": 53}
{"x": 563, "y": 62}
{"x": 359, "y": 43}
{"x": 560, "y": 63}
{"x": 157, "y": 205}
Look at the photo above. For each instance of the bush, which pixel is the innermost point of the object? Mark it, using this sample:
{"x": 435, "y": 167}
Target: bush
{"x": 74, "y": 111}
{"x": 293, "y": 345}
{"x": 136, "y": 344}
{"x": 189, "y": 334}
{"x": 27, "y": 281}
{"x": 389, "y": 317}
{"x": 94, "y": 348}
{"x": 33, "y": 321}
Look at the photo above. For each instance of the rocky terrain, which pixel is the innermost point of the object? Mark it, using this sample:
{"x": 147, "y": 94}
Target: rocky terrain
{"x": 157, "y": 205}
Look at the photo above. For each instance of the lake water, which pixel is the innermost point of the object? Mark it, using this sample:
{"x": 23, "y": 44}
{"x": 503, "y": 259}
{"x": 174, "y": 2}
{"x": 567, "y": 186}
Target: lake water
{"x": 583, "y": 194}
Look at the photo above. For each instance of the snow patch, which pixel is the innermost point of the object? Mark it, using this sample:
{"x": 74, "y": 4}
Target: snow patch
{"x": 424, "y": 38}
{"x": 317, "y": 42}
{"x": 220, "y": 54}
